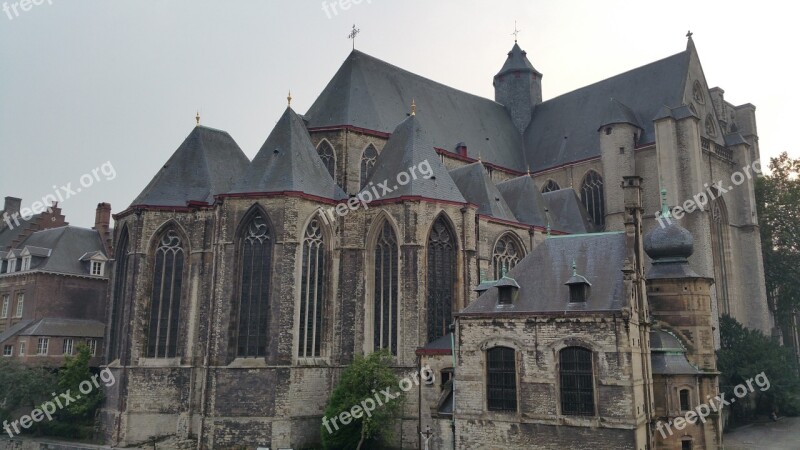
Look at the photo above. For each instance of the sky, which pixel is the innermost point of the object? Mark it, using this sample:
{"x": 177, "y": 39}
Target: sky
{"x": 102, "y": 92}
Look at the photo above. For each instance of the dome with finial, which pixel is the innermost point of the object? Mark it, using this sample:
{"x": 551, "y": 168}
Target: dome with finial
{"x": 669, "y": 241}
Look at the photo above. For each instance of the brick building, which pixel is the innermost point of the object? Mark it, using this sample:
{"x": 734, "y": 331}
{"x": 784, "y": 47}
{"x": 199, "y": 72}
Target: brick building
{"x": 240, "y": 289}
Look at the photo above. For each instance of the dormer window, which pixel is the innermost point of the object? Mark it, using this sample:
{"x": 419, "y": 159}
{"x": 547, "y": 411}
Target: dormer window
{"x": 507, "y": 289}
{"x": 26, "y": 263}
{"x": 12, "y": 265}
{"x": 97, "y": 268}
{"x": 578, "y": 286}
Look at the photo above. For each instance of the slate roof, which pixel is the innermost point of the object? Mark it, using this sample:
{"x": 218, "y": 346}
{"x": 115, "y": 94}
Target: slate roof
{"x": 477, "y": 188}
{"x": 14, "y": 329}
{"x": 668, "y": 355}
{"x": 67, "y": 245}
{"x": 525, "y": 200}
{"x": 564, "y": 128}
{"x": 567, "y": 211}
{"x": 9, "y": 234}
{"x": 207, "y": 163}
{"x": 616, "y": 112}
{"x": 542, "y": 273}
{"x": 288, "y": 161}
{"x": 369, "y": 93}
{"x": 409, "y": 146}
{"x": 517, "y": 60}
{"x": 65, "y": 327}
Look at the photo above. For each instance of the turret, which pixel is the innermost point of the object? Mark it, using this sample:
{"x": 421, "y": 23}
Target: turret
{"x": 518, "y": 87}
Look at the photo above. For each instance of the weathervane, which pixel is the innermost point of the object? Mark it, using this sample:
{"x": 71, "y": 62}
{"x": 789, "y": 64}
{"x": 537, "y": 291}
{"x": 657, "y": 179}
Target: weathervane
{"x": 516, "y": 31}
{"x": 353, "y": 34}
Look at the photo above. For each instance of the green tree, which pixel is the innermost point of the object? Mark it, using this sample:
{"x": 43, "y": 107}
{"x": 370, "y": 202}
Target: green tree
{"x": 22, "y": 388}
{"x": 745, "y": 353}
{"x": 363, "y": 379}
{"x": 778, "y": 200}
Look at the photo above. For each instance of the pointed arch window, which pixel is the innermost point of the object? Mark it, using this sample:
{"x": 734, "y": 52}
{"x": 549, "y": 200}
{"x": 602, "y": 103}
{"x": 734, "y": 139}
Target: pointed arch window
{"x": 312, "y": 291}
{"x": 577, "y": 381}
{"x": 328, "y": 156}
{"x": 550, "y": 186}
{"x": 162, "y": 338}
{"x": 506, "y": 254}
{"x": 592, "y": 198}
{"x": 255, "y": 265}
{"x": 120, "y": 288}
{"x": 368, "y": 159}
{"x": 385, "y": 290}
{"x": 441, "y": 278}
{"x": 711, "y": 130}
{"x": 719, "y": 239}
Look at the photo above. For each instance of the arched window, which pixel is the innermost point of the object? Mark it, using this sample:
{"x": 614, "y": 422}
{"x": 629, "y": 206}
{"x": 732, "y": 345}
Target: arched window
{"x": 368, "y": 159}
{"x": 385, "y": 290}
{"x": 118, "y": 305}
{"x": 165, "y": 304}
{"x": 255, "y": 270}
{"x": 550, "y": 186}
{"x": 326, "y": 153}
{"x": 719, "y": 240}
{"x": 577, "y": 381}
{"x": 441, "y": 278}
{"x": 711, "y": 130}
{"x": 501, "y": 379}
{"x": 683, "y": 396}
{"x": 592, "y": 198}
{"x": 312, "y": 291}
{"x": 506, "y": 255}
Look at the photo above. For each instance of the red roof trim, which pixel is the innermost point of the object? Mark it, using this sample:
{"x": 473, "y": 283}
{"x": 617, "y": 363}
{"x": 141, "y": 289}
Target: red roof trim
{"x": 434, "y": 351}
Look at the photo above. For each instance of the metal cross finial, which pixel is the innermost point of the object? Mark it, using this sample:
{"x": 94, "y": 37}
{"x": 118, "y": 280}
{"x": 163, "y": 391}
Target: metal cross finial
{"x": 516, "y": 31}
{"x": 289, "y": 98}
{"x": 353, "y": 34}
{"x": 197, "y": 119}
{"x": 689, "y": 34}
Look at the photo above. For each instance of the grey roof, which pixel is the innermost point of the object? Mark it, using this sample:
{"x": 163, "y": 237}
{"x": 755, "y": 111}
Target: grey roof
{"x": 369, "y": 93}
{"x": 567, "y": 211}
{"x": 525, "y": 200}
{"x": 38, "y": 251}
{"x": 65, "y": 327}
{"x": 735, "y": 139}
{"x": 507, "y": 282}
{"x": 669, "y": 248}
{"x": 207, "y": 163}
{"x": 564, "y": 129}
{"x": 542, "y": 273}
{"x": 67, "y": 244}
{"x": 616, "y": 112}
{"x": 477, "y": 188}
{"x": 668, "y": 355}
{"x": 289, "y": 162}
{"x": 677, "y": 113}
{"x": 409, "y": 147}
{"x": 441, "y": 343}
{"x": 517, "y": 60}
{"x": 9, "y": 234}
{"x": 14, "y": 329}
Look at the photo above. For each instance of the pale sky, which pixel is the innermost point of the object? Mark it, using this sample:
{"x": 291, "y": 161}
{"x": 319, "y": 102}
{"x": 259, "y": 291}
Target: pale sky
{"x": 83, "y": 82}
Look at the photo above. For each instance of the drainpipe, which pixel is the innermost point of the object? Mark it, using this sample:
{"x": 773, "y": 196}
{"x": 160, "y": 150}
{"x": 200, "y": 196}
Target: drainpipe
{"x": 453, "y": 328}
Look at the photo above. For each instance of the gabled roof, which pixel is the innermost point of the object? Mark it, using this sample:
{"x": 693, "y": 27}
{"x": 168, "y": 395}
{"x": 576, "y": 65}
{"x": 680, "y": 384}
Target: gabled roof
{"x": 369, "y": 93}
{"x": 477, "y": 188}
{"x": 67, "y": 245}
{"x": 567, "y": 211}
{"x": 517, "y": 60}
{"x": 207, "y": 163}
{"x": 542, "y": 275}
{"x": 564, "y": 128}
{"x": 408, "y": 147}
{"x": 36, "y": 251}
{"x": 65, "y": 327}
{"x": 525, "y": 200}
{"x": 14, "y": 329}
{"x": 288, "y": 162}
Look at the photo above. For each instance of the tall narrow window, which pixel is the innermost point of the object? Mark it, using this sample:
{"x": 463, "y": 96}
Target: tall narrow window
{"x": 577, "y": 383}
{"x": 550, "y": 186}
{"x": 592, "y": 198}
{"x": 368, "y": 159}
{"x": 506, "y": 255}
{"x": 162, "y": 338}
{"x": 4, "y": 313}
{"x": 312, "y": 292}
{"x": 683, "y": 395}
{"x": 20, "y": 304}
{"x": 501, "y": 379}
{"x": 325, "y": 151}
{"x": 441, "y": 278}
{"x": 117, "y": 305}
{"x": 385, "y": 301}
{"x": 719, "y": 239}
{"x": 255, "y": 249}
{"x": 68, "y": 345}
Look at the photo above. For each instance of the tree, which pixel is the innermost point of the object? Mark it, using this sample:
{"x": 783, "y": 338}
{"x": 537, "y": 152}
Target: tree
{"x": 778, "y": 200}
{"x": 364, "y": 379}
{"x": 22, "y": 388}
{"x": 745, "y": 353}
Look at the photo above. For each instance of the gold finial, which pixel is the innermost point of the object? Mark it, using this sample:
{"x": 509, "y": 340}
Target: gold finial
{"x": 197, "y": 119}
{"x": 289, "y": 98}
{"x": 413, "y": 107}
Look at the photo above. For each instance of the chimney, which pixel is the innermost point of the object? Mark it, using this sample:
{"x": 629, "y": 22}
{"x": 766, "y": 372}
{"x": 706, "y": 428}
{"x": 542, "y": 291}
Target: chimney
{"x": 12, "y": 205}
{"x": 102, "y": 222}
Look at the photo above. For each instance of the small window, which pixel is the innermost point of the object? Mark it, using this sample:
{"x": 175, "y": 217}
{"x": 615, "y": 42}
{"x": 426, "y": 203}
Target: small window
{"x": 41, "y": 347}
{"x": 577, "y": 293}
{"x": 26, "y": 263}
{"x": 686, "y": 445}
{"x": 8, "y": 350}
{"x": 684, "y": 398}
{"x": 4, "y": 312}
{"x": 20, "y": 304}
{"x": 501, "y": 379}
{"x": 12, "y": 265}
{"x": 446, "y": 376}
{"x": 97, "y": 268}
{"x": 22, "y": 348}
{"x": 506, "y": 294}
{"x": 92, "y": 344}
{"x": 67, "y": 346}
{"x": 550, "y": 186}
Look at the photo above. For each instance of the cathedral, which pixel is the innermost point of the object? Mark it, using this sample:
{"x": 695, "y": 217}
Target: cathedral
{"x": 543, "y": 257}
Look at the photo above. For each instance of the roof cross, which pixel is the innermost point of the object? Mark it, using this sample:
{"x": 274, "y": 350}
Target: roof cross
{"x": 516, "y": 31}
{"x": 689, "y": 34}
{"x": 353, "y": 34}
